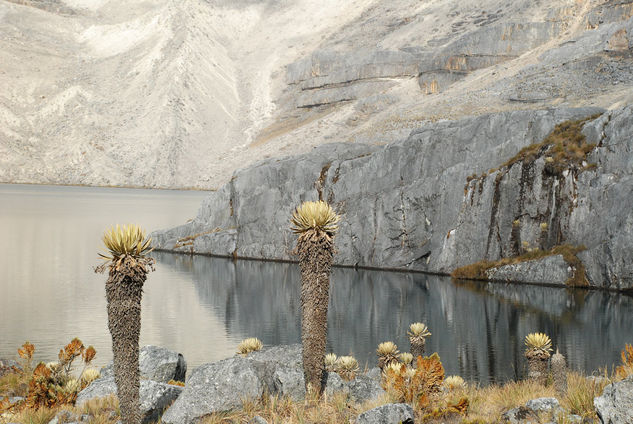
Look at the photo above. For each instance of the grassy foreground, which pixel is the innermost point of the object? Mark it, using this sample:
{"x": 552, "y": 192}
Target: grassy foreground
{"x": 434, "y": 398}
{"x": 483, "y": 404}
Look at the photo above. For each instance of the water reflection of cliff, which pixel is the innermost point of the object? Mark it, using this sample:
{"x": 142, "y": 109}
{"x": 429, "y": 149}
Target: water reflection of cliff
{"x": 478, "y": 329}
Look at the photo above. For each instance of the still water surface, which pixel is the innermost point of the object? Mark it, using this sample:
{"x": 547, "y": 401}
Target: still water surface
{"x": 204, "y": 306}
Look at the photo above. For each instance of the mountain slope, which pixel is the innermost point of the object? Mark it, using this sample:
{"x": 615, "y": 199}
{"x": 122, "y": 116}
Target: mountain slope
{"x": 180, "y": 94}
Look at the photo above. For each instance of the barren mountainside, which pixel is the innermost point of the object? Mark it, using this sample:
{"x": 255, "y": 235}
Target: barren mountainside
{"x": 176, "y": 94}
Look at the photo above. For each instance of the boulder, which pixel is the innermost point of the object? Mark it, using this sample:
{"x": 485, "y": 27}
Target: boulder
{"x": 277, "y": 370}
{"x": 534, "y": 410}
{"x": 365, "y": 387}
{"x": 548, "y": 270}
{"x": 519, "y": 415}
{"x": 155, "y": 396}
{"x": 391, "y": 413}
{"x": 215, "y": 387}
{"x": 549, "y": 404}
{"x": 614, "y": 405}
{"x": 157, "y": 364}
{"x": 290, "y": 381}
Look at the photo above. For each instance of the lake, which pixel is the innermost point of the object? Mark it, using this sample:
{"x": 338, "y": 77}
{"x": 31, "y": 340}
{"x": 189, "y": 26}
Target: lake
{"x": 203, "y": 306}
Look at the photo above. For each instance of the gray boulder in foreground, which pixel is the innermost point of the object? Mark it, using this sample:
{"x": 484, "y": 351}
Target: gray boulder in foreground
{"x": 223, "y": 385}
{"x": 535, "y": 409}
{"x": 616, "y": 403}
{"x": 215, "y": 387}
{"x": 391, "y": 413}
{"x": 157, "y": 364}
{"x": 155, "y": 396}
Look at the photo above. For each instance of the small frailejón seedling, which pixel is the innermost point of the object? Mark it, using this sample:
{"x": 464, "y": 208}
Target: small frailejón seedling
{"x": 406, "y": 358}
{"x": 316, "y": 223}
{"x": 559, "y": 372}
{"x": 330, "y": 362}
{"x": 387, "y": 353}
{"x": 249, "y": 345}
{"x": 537, "y": 352}
{"x": 454, "y": 382}
{"x": 347, "y": 367}
{"x": 128, "y": 266}
{"x": 418, "y": 332}
{"x": 394, "y": 367}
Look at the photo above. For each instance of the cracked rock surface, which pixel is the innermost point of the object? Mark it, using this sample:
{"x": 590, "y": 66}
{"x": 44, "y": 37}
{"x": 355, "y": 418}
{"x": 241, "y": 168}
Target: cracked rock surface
{"x": 411, "y": 204}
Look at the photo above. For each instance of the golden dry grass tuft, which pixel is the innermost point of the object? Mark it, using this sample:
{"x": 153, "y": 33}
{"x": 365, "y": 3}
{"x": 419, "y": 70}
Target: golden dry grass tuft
{"x": 581, "y": 391}
{"x": 14, "y": 384}
{"x": 274, "y": 409}
{"x": 30, "y": 416}
{"x": 246, "y": 346}
{"x": 626, "y": 369}
{"x": 487, "y": 404}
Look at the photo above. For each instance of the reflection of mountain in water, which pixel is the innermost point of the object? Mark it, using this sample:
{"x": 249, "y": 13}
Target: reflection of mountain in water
{"x": 478, "y": 329}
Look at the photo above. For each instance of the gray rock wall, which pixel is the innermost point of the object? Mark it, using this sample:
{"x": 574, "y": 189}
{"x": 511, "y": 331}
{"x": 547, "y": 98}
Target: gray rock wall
{"x": 408, "y": 205}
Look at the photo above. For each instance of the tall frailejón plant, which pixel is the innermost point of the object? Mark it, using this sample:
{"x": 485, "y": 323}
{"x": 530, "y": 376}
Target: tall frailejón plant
{"x": 538, "y": 348}
{"x": 316, "y": 223}
{"x": 128, "y": 266}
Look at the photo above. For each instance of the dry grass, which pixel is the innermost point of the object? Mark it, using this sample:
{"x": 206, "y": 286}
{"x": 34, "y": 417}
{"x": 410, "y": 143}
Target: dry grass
{"x": 99, "y": 406}
{"x": 626, "y": 369}
{"x": 101, "y": 411}
{"x": 566, "y": 145}
{"x": 30, "y": 416}
{"x": 14, "y": 384}
{"x": 581, "y": 391}
{"x": 484, "y": 405}
{"x": 462, "y": 404}
{"x": 487, "y": 404}
{"x": 275, "y": 409}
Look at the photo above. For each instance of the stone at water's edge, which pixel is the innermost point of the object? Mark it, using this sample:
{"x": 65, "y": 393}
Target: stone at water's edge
{"x": 391, "y": 413}
{"x": 408, "y": 205}
{"x": 549, "y": 270}
{"x": 157, "y": 364}
{"x": 615, "y": 404}
{"x": 224, "y": 385}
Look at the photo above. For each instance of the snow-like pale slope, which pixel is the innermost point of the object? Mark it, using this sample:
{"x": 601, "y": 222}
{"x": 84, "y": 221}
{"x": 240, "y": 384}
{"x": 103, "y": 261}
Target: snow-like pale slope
{"x": 174, "y": 94}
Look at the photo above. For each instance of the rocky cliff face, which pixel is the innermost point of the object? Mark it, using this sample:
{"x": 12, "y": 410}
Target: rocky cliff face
{"x": 432, "y": 203}
{"x": 181, "y": 93}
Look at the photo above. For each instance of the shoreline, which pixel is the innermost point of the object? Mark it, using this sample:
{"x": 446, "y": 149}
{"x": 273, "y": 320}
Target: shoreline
{"x": 131, "y": 187}
{"x": 402, "y": 271}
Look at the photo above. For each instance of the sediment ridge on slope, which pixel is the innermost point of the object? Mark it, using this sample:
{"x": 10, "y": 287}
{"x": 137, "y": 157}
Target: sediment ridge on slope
{"x": 411, "y": 204}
